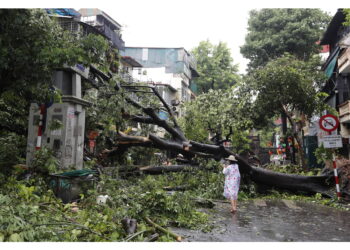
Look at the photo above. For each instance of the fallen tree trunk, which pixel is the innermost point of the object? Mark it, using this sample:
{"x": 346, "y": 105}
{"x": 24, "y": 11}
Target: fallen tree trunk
{"x": 165, "y": 169}
{"x": 154, "y": 170}
{"x": 290, "y": 182}
{"x": 189, "y": 149}
{"x": 294, "y": 183}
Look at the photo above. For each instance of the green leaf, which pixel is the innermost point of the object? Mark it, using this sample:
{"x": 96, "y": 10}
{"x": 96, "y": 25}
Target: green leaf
{"x": 15, "y": 238}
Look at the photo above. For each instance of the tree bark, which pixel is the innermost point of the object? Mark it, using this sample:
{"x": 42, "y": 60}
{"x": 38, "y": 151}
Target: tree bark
{"x": 165, "y": 169}
{"x": 284, "y": 123}
{"x": 296, "y": 137}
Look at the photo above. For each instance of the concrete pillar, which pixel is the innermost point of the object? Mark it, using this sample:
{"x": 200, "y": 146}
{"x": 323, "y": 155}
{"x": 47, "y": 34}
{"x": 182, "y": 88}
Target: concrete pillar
{"x": 76, "y": 85}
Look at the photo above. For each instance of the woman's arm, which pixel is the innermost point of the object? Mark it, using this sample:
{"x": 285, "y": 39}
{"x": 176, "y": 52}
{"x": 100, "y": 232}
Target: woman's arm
{"x": 225, "y": 170}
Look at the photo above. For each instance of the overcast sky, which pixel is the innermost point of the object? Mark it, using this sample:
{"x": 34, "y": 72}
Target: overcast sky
{"x": 183, "y": 23}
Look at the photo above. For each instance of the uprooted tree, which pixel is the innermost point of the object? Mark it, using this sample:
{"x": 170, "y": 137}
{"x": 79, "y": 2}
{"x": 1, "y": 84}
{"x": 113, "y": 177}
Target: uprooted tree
{"x": 104, "y": 114}
{"x": 147, "y": 113}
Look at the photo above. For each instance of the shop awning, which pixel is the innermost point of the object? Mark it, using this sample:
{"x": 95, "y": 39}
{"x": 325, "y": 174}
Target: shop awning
{"x": 330, "y": 67}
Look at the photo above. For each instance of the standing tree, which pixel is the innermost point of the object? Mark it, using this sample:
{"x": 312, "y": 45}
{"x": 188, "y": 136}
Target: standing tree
{"x": 272, "y": 32}
{"x": 32, "y": 46}
{"x": 287, "y": 85}
{"x": 223, "y": 114}
{"x": 215, "y": 66}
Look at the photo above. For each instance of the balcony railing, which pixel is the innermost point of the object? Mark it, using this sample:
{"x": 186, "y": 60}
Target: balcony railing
{"x": 113, "y": 36}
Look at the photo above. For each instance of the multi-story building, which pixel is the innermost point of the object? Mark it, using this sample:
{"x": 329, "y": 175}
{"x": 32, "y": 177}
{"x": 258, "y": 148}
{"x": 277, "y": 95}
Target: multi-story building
{"x": 128, "y": 64}
{"x": 67, "y": 142}
{"x": 105, "y": 24}
{"x": 337, "y": 69}
{"x": 171, "y": 69}
{"x": 70, "y": 20}
{"x": 111, "y": 29}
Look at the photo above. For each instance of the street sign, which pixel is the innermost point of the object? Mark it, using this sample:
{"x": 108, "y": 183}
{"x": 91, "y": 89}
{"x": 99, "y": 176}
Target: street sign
{"x": 329, "y": 123}
{"x": 332, "y": 141}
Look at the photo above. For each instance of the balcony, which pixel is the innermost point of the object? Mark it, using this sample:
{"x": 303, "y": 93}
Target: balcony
{"x": 344, "y": 112}
{"x": 344, "y": 62}
{"x": 113, "y": 36}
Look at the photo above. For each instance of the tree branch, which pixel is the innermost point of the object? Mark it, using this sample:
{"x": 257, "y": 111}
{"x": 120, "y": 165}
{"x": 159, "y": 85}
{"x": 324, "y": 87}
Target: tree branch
{"x": 170, "y": 111}
{"x": 127, "y": 139}
{"x": 175, "y": 132}
{"x": 138, "y": 118}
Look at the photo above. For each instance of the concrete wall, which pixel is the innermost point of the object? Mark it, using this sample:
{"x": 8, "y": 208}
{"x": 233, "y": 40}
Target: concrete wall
{"x": 67, "y": 143}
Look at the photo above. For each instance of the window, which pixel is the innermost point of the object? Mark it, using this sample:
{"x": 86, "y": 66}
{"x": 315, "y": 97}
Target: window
{"x": 144, "y": 54}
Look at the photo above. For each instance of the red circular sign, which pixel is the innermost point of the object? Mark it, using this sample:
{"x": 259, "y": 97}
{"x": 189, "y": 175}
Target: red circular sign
{"x": 329, "y": 123}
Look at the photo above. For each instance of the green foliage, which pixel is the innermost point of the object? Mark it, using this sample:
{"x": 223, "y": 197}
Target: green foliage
{"x": 272, "y": 32}
{"x": 347, "y": 17}
{"x": 145, "y": 156}
{"x": 13, "y": 106}
{"x": 217, "y": 111}
{"x": 286, "y": 85}
{"x": 267, "y": 133}
{"x": 214, "y": 65}
{"x": 30, "y": 212}
{"x": 105, "y": 111}
{"x": 317, "y": 198}
{"x": 55, "y": 124}
{"x": 44, "y": 161}
{"x": 323, "y": 154}
{"x": 12, "y": 149}
{"x": 42, "y": 46}
{"x": 26, "y": 65}
{"x": 293, "y": 169}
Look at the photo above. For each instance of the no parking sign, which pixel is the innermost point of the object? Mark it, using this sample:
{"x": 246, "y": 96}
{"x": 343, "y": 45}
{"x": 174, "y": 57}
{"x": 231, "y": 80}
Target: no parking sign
{"x": 329, "y": 123}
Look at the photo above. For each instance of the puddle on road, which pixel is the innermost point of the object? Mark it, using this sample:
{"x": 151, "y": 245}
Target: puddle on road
{"x": 277, "y": 221}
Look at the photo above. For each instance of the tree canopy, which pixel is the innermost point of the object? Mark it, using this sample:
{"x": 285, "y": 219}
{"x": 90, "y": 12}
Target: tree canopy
{"x": 215, "y": 66}
{"x": 286, "y": 83}
{"x": 32, "y": 45}
{"x": 224, "y": 113}
{"x": 272, "y": 32}
{"x": 28, "y": 60}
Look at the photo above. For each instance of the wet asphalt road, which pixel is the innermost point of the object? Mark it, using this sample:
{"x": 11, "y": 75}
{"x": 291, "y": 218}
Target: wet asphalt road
{"x": 274, "y": 221}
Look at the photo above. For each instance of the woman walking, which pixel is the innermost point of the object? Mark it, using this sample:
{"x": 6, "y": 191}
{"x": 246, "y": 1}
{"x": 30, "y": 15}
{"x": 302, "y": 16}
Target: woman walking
{"x": 232, "y": 180}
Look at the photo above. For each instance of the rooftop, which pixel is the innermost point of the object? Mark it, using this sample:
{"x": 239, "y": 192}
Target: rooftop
{"x": 131, "y": 61}
{"x": 85, "y": 12}
{"x": 332, "y": 29}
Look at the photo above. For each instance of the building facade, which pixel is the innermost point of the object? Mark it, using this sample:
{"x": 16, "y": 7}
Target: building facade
{"x": 172, "y": 70}
{"x": 105, "y": 24}
{"x": 337, "y": 70}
